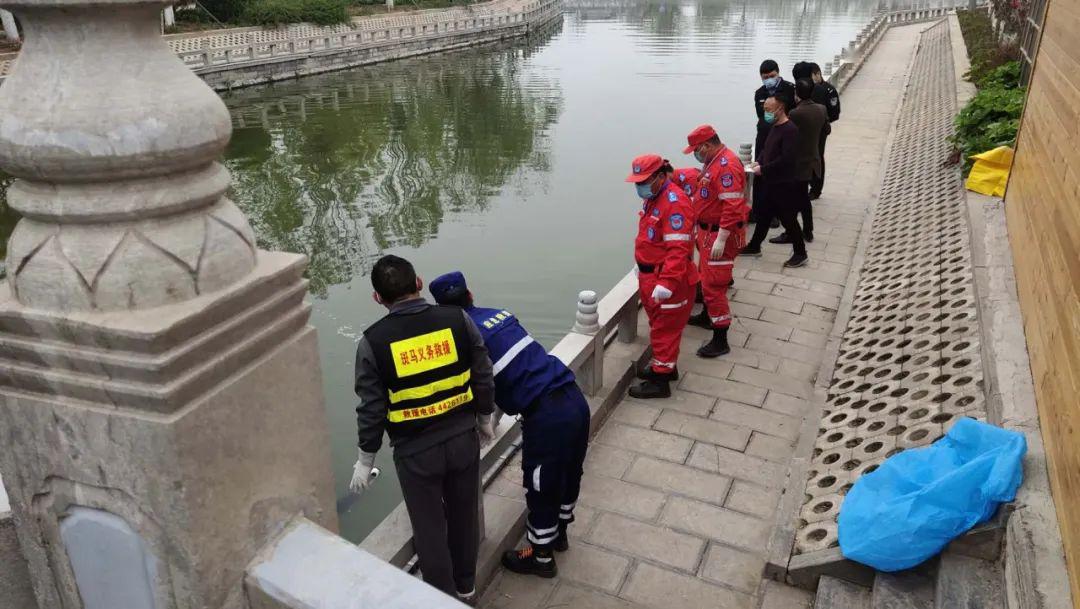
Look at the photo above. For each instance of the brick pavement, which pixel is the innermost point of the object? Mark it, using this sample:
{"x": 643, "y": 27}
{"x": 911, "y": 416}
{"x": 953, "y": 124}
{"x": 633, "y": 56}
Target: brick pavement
{"x": 679, "y": 495}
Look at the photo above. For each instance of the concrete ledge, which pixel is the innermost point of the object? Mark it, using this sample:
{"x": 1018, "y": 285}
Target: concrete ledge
{"x": 335, "y": 573}
{"x": 1036, "y": 574}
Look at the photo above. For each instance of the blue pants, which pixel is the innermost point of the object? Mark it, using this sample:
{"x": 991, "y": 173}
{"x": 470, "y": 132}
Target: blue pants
{"x": 555, "y": 437}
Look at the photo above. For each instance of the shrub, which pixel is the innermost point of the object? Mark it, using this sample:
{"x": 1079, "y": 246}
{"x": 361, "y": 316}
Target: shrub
{"x": 985, "y": 50}
{"x": 277, "y": 12}
{"x": 992, "y": 117}
{"x": 226, "y": 10}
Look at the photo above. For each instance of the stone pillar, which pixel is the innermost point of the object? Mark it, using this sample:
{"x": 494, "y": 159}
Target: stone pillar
{"x": 170, "y": 16}
{"x": 161, "y": 408}
{"x": 8, "y": 21}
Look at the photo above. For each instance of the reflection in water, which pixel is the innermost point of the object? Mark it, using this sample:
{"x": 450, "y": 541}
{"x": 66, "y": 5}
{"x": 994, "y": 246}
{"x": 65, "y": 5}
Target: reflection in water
{"x": 347, "y": 165}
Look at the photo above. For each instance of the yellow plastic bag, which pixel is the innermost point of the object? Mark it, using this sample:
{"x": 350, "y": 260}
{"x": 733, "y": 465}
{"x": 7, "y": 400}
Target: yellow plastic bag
{"x": 990, "y": 173}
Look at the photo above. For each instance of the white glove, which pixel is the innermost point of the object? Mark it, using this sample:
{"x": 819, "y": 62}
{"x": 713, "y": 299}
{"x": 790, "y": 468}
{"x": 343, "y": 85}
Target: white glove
{"x": 361, "y": 475}
{"x": 660, "y": 293}
{"x": 487, "y": 429}
{"x": 718, "y": 245}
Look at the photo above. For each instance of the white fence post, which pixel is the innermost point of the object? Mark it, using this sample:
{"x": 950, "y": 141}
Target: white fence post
{"x": 10, "y": 30}
{"x": 587, "y": 321}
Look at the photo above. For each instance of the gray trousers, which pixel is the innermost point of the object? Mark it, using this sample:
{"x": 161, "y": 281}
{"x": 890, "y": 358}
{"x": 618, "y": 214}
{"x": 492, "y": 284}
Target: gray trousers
{"x": 441, "y": 486}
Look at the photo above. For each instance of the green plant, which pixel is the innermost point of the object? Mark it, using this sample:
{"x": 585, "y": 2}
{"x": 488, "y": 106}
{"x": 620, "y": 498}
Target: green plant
{"x": 1005, "y": 76}
{"x": 226, "y": 10}
{"x": 990, "y": 119}
{"x": 278, "y": 12}
{"x": 985, "y": 50}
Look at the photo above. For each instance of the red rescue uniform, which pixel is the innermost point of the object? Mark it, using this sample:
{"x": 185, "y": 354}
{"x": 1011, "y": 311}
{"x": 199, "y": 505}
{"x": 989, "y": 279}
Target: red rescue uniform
{"x": 687, "y": 178}
{"x": 720, "y": 204}
{"x": 664, "y": 254}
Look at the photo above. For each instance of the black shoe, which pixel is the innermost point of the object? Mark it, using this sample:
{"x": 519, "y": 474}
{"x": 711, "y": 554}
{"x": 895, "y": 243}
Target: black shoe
{"x": 781, "y": 238}
{"x": 814, "y": 196}
{"x": 701, "y": 320}
{"x": 796, "y": 261}
{"x": 808, "y": 236}
{"x": 530, "y": 561}
{"x": 775, "y": 223}
{"x": 562, "y": 542}
{"x": 754, "y": 252}
{"x": 651, "y": 389}
{"x": 648, "y": 374}
{"x": 717, "y": 346}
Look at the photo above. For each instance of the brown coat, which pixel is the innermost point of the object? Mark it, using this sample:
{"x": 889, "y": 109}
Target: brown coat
{"x": 812, "y": 119}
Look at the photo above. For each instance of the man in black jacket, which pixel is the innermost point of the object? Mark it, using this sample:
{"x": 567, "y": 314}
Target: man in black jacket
{"x": 424, "y": 377}
{"x": 813, "y": 124}
{"x": 778, "y": 171}
{"x": 826, "y": 95}
{"x": 771, "y": 84}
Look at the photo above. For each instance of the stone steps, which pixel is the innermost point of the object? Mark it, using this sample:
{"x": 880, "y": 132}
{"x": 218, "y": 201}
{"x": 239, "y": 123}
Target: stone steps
{"x": 954, "y": 582}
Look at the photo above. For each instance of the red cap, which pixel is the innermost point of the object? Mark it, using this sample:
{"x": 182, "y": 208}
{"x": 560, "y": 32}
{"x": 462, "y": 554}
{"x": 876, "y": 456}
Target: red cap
{"x": 644, "y": 167}
{"x": 698, "y": 137}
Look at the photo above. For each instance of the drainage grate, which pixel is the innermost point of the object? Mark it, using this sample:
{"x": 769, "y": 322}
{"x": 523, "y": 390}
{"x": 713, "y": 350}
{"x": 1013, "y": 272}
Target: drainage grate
{"x": 909, "y": 363}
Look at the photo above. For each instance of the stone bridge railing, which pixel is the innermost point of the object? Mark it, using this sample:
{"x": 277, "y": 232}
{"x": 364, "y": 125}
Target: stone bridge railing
{"x": 244, "y": 46}
{"x": 847, "y": 63}
{"x": 255, "y": 44}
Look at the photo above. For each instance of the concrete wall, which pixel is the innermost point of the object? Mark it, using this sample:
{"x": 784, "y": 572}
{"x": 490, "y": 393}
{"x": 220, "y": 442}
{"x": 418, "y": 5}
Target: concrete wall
{"x": 283, "y": 68}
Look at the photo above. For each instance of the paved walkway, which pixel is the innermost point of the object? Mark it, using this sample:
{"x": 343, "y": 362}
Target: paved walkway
{"x": 679, "y": 495}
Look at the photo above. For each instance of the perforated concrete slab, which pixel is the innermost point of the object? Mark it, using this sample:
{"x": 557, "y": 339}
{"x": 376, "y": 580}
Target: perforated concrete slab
{"x": 909, "y": 363}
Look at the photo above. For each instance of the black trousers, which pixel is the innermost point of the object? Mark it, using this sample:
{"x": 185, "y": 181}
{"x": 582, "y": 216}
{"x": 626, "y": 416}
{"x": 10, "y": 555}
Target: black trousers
{"x": 441, "y": 486}
{"x": 806, "y": 209}
{"x": 555, "y": 437}
{"x": 818, "y": 181}
{"x": 783, "y": 201}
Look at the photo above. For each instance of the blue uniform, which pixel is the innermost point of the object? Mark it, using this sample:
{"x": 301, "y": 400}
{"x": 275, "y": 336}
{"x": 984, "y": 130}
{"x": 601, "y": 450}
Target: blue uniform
{"x": 523, "y": 369}
{"x": 555, "y": 427}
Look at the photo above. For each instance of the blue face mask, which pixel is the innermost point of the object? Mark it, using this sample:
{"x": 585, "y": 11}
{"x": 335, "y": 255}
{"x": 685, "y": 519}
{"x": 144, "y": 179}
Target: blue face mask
{"x": 644, "y": 190}
{"x": 770, "y": 117}
{"x": 700, "y": 156}
{"x": 771, "y": 82}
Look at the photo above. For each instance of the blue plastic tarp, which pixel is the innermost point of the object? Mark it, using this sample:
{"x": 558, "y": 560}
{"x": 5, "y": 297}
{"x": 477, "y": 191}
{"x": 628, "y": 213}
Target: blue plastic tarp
{"x": 919, "y": 500}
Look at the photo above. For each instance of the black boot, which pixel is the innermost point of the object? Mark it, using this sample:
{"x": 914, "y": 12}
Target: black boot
{"x": 652, "y": 389}
{"x": 531, "y": 561}
{"x": 717, "y": 346}
{"x": 701, "y": 320}
{"x": 648, "y": 374}
{"x": 562, "y": 542}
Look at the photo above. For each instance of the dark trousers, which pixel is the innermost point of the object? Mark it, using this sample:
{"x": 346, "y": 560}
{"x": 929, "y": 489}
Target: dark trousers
{"x": 784, "y": 202}
{"x": 818, "y": 181}
{"x": 757, "y": 200}
{"x": 441, "y": 486}
{"x": 806, "y": 208}
{"x": 555, "y": 437}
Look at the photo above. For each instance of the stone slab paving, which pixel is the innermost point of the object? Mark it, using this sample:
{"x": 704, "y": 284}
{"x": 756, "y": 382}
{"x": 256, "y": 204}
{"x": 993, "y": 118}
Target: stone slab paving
{"x": 679, "y": 495}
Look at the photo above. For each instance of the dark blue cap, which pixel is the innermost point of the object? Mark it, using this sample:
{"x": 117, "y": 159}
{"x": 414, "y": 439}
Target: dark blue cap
{"x": 448, "y": 287}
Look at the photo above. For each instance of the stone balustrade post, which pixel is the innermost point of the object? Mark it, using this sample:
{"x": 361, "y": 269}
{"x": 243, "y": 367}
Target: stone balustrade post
{"x": 161, "y": 408}
{"x": 8, "y": 21}
{"x": 587, "y": 321}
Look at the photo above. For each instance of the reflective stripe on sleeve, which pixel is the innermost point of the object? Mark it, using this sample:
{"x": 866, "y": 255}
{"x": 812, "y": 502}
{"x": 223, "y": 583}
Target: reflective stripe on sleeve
{"x": 677, "y": 237}
{"x": 511, "y": 353}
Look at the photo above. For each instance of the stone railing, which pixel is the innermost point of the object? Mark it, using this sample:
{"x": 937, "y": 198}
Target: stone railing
{"x": 847, "y": 63}
{"x": 256, "y": 44}
{"x": 235, "y": 47}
